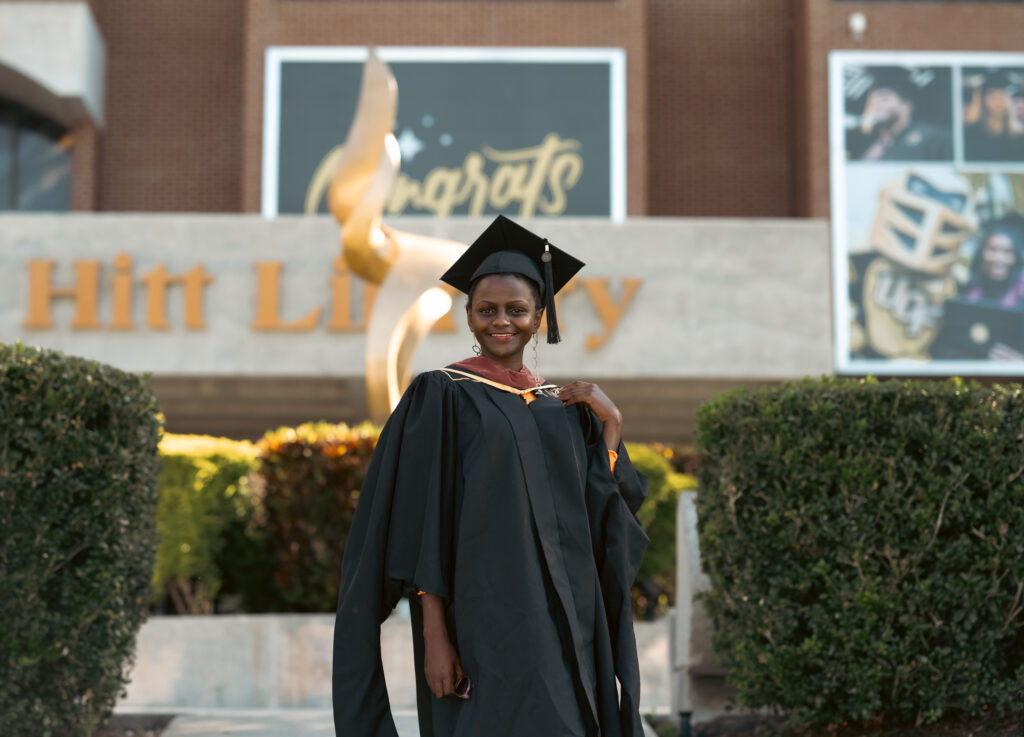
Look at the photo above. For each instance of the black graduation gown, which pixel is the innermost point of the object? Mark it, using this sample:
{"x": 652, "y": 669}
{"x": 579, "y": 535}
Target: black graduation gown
{"x": 510, "y": 512}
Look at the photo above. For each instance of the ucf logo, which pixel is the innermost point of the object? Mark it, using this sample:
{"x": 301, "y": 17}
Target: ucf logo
{"x": 902, "y": 308}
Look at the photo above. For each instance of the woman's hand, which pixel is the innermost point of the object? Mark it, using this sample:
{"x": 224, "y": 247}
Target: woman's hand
{"x": 441, "y": 664}
{"x": 591, "y": 395}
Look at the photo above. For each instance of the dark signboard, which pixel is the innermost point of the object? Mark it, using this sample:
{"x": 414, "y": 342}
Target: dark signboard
{"x": 928, "y": 212}
{"x": 521, "y": 131}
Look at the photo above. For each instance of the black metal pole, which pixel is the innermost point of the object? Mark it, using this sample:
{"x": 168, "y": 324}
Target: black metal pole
{"x": 684, "y": 723}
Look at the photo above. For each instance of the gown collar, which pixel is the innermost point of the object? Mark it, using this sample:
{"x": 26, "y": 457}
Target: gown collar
{"x": 491, "y": 369}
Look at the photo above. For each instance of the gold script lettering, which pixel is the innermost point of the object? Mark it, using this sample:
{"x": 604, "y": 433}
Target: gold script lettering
{"x": 565, "y": 172}
{"x": 321, "y": 180}
{"x": 41, "y": 292}
{"x": 537, "y": 178}
{"x": 268, "y": 302}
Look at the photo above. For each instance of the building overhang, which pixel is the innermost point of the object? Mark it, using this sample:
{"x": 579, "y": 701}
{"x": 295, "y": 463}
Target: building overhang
{"x": 52, "y": 59}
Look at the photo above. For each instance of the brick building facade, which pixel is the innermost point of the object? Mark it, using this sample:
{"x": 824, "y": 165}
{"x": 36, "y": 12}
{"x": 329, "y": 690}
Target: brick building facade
{"x": 726, "y": 98}
{"x": 726, "y": 116}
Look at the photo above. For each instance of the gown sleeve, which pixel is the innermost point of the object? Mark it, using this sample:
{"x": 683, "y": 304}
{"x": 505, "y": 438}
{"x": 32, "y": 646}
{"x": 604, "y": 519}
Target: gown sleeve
{"x": 401, "y": 536}
{"x": 612, "y": 499}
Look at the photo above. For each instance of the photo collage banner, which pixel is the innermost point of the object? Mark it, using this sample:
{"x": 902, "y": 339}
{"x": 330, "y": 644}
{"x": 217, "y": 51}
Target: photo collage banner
{"x": 927, "y": 172}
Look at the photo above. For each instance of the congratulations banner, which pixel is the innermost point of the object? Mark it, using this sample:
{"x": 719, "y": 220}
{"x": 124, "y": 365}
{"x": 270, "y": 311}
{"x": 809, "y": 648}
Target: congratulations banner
{"x": 927, "y": 154}
{"x": 525, "y": 132}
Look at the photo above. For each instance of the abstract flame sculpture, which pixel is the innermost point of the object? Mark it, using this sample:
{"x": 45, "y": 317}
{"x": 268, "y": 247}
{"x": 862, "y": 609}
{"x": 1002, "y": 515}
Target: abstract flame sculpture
{"x": 406, "y": 266}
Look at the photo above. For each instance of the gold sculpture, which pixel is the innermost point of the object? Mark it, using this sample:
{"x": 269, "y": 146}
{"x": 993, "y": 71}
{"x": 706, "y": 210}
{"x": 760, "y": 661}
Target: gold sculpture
{"x": 405, "y": 265}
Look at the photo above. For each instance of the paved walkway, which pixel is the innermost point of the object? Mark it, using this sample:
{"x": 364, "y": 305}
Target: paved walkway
{"x": 268, "y": 723}
{"x": 272, "y": 723}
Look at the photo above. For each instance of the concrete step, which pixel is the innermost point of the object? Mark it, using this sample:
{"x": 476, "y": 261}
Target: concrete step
{"x": 270, "y": 723}
{"x": 274, "y": 723}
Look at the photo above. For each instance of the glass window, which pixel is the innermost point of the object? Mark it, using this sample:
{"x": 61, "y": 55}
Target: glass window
{"x": 35, "y": 161}
{"x": 44, "y": 172}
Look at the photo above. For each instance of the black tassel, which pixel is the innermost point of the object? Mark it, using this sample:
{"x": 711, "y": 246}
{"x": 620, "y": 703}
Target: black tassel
{"x": 549, "y": 297}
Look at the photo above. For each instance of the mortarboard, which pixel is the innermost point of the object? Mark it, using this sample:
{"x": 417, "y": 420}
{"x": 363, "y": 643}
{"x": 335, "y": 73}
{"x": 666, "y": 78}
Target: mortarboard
{"x": 996, "y": 79}
{"x": 896, "y": 79}
{"x": 506, "y": 247}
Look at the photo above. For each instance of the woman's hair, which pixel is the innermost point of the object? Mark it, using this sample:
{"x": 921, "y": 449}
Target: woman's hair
{"x": 979, "y": 276}
{"x": 537, "y": 304}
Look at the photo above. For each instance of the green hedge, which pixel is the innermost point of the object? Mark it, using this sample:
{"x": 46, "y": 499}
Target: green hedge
{"x": 309, "y": 481}
{"x": 78, "y": 486}
{"x": 281, "y": 542}
{"x": 865, "y": 543}
{"x": 205, "y": 521}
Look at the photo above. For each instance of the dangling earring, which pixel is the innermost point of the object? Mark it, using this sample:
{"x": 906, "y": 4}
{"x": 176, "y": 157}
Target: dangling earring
{"x": 476, "y": 349}
{"x": 535, "y": 355}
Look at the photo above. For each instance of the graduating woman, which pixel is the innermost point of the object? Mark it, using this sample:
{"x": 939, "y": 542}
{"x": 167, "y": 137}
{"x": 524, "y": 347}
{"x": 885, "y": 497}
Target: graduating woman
{"x": 505, "y": 508}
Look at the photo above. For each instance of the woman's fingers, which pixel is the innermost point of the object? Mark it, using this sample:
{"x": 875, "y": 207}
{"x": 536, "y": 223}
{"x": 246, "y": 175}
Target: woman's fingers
{"x": 443, "y": 683}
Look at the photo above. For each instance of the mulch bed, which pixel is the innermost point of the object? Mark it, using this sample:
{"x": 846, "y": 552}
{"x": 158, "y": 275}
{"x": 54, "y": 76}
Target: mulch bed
{"x": 766, "y": 726}
{"x": 134, "y": 725}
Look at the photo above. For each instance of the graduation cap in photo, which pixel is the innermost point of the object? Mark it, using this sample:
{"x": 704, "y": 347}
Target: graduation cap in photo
{"x": 896, "y": 79}
{"x": 506, "y": 247}
{"x": 997, "y": 79}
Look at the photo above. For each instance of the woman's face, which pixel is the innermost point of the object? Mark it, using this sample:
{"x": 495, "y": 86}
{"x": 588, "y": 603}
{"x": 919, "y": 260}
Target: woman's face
{"x": 503, "y": 317}
{"x": 996, "y": 101}
{"x": 998, "y": 256}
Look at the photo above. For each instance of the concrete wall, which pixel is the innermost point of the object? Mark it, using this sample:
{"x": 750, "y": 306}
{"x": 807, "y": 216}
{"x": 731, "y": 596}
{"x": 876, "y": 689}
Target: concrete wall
{"x": 52, "y": 59}
{"x": 284, "y": 661}
{"x": 716, "y": 298}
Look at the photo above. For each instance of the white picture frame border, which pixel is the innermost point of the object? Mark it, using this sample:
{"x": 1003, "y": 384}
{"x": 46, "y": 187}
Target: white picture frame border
{"x": 837, "y": 61}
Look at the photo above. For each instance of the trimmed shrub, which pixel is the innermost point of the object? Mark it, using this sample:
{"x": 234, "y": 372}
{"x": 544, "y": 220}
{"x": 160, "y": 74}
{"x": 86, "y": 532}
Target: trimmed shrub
{"x": 865, "y": 543}
{"x": 309, "y": 481}
{"x": 655, "y": 588}
{"x": 204, "y": 519}
{"x": 78, "y": 488}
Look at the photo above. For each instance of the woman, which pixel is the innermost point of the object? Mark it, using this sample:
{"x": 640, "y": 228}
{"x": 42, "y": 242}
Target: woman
{"x": 997, "y": 267}
{"x": 992, "y": 130}
{"x": 493, "y": 499}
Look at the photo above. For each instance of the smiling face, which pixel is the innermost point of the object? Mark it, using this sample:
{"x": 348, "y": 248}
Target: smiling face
{"x": 503, "y": 316}
{"x": 998, "y": 256}
{"x": 996, "y": 101}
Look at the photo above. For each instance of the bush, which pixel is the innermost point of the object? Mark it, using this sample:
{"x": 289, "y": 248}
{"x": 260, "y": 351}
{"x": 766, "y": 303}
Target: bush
{"x": 278, "y": 545}
{"x": 655, "y": 587}
{"x": 310, "y": 478}
{"x": 865, "y": 543}
{"x": 78, "y": 487}
{"x": 204, "y": 520}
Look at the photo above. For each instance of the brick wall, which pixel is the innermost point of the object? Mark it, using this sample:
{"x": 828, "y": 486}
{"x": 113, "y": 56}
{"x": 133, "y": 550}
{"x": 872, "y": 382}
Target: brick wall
{"x": 172, "y": 141}
{"x": 720, "y": 111}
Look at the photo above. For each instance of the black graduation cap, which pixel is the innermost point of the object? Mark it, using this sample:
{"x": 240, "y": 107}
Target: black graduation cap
{"x": 996, "y": 79}
{"x": 506, "y": 247}
{"x": 896, "y": 79}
